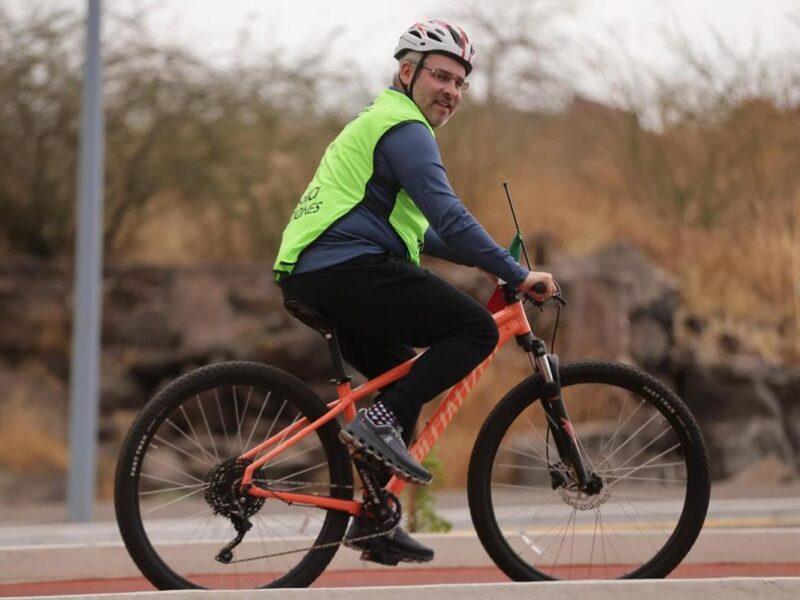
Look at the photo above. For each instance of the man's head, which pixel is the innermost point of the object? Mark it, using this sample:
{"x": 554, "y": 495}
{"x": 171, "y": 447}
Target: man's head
{"x": 434, "y": 59}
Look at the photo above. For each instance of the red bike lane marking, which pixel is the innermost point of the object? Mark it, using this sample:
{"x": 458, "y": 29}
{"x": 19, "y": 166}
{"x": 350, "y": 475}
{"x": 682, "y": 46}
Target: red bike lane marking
{"x": 391, "y": 577}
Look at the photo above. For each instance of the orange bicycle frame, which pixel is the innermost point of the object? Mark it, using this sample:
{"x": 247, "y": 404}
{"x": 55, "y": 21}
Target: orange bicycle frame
{"x": 511, "y": 321}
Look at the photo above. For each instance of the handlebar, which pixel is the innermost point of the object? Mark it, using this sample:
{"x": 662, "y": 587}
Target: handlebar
{"x": 541, "y": 288}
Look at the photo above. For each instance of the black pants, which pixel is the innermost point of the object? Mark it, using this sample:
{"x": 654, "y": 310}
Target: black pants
{"x": 384, "y": 307}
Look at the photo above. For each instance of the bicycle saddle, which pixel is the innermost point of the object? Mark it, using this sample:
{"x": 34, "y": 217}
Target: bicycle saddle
{"x": 310, "y": 316}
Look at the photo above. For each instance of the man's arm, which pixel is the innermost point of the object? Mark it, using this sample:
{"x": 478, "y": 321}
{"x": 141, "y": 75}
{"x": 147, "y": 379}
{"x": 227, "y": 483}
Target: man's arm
{"x": 416, "y": 163}
{"x": 434, "y": 246}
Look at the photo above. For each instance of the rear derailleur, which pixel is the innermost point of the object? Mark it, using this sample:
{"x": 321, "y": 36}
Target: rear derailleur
{"x": 225, "y": 497}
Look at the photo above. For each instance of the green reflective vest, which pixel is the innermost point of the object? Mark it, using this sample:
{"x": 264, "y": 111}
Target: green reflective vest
{"x": 340, "y": 183}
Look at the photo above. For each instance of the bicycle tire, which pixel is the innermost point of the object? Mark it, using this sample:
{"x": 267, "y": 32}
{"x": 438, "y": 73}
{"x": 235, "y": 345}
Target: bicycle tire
{"x": 519, "y": 513}
{"x": 182, "y": 436}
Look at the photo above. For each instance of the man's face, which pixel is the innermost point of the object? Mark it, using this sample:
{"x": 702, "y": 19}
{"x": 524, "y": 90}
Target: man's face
{"x": 438, "y": 101}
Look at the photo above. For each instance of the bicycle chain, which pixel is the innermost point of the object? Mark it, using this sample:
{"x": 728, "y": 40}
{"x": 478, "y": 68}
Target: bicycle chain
{"x": 315, "y": 546}
{"x": 320, "y": 546}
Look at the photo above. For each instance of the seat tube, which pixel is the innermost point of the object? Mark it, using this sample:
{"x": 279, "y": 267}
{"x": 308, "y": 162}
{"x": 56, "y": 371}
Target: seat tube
{"x": 343, "y": 389}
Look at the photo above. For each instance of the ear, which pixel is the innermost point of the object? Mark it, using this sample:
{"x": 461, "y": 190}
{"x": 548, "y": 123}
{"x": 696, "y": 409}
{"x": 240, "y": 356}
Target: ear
{"x": 406, "y": 72}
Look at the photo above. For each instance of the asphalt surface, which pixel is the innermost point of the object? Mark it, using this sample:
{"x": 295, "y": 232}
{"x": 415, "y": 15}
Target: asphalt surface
{"x": 757, "y": 520}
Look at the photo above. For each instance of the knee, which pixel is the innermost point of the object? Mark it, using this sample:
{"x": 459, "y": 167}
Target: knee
{"x": 485, "y": 333}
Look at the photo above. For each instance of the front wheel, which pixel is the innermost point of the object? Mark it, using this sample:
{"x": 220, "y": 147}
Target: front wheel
{"x": 177, "y": 496}
{"x": 635, "y": 434}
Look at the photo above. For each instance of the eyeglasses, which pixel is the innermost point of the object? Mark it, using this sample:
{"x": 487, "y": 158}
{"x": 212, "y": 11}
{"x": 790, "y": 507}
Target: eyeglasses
{"x": 445, "y": 77}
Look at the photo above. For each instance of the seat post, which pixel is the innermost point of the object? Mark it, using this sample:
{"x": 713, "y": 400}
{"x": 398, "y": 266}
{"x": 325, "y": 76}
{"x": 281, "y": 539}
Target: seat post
{"x": 316, "y": 320}
{"x": 339, "y": 376}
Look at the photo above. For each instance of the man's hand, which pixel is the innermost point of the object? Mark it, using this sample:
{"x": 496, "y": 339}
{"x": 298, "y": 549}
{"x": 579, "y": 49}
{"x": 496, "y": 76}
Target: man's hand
{"x": 535, "y": 277}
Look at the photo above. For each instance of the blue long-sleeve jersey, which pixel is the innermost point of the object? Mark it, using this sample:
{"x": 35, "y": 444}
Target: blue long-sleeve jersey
{"x": 408, "y": 157}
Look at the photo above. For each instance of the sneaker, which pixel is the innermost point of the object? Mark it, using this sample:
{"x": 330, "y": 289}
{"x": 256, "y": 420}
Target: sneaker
{"x": 384, "y": 443}
{"x": 390, "y": 549}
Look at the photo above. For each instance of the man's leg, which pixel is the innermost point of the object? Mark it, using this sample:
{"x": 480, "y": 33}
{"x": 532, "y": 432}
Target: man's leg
{"x": 371, "y": 358}
{"x": 393, "y": 301}
{"x": 381, "y": 307}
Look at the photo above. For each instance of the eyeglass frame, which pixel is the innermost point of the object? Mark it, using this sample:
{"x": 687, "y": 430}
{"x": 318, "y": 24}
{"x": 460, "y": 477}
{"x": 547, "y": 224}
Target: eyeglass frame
{"x": 444, "y": 77}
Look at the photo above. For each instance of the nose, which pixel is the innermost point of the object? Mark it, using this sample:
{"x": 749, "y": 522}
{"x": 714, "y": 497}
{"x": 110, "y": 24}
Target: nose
{"x": 451, "y": 90}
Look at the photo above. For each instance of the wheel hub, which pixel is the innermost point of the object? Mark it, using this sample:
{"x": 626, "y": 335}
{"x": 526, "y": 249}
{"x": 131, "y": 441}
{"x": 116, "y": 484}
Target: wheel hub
{"x": 223, "y": 493}
{"x": 583, "y": 501}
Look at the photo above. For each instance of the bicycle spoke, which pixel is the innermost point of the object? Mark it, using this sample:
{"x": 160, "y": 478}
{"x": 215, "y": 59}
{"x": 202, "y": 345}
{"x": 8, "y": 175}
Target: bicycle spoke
{"x": 208, "y": 429}
{"x": 620, "y": 427}
{"x": 238, "y": 422}
{"x": 257, "y": 421}
{"x": 636, "y": 470}
{"x": 627, "y": 441}
{"x": 161, "y": 479}
{"x": 522, "y": 467}
{"x": 171, "y": 466}
{"x": 194, "y": 434}
{"x": 535, "y": 429}
{"x": 173, "y": 501}
{"x": 222, "y": 421}
{"x": 594, "y": 539}
{"x": 537, "y": 457}
{"x": 173, "y": 489}
{"x": 183, "y": 433}
{"x": 614, "y": 470}
{"x": 181, "y": 450}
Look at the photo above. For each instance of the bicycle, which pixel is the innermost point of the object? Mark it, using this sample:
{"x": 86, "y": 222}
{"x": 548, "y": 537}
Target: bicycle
{"x": 237, "y": 447}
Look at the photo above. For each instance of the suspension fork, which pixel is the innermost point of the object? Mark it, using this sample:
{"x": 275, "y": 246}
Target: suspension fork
{"x": 556, "y": 411}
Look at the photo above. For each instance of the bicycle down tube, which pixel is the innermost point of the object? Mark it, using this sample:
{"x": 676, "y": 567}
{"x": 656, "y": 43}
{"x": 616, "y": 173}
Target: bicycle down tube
{"x": 511, "y": 322}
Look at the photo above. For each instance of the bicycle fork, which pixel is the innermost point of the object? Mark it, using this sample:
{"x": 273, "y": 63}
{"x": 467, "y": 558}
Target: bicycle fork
{"x": 559, "y": 424}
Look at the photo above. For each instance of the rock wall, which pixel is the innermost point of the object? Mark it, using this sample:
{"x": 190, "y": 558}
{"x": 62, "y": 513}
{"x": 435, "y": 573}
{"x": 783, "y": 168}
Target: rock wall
{"x": 160, "y": 322}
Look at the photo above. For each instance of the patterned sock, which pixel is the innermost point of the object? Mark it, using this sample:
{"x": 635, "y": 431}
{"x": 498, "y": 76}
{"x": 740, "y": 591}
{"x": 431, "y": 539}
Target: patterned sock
{"x": 379, "y": 414}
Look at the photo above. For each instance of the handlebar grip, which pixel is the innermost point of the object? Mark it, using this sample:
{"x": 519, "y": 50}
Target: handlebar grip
{"x": 539, "y": 288}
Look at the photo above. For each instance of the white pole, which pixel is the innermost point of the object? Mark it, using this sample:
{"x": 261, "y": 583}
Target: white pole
{"x": 84, "y": 371}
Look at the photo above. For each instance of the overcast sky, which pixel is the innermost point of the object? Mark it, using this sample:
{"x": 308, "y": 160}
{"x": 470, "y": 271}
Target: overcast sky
{"x": 370, "y": 29}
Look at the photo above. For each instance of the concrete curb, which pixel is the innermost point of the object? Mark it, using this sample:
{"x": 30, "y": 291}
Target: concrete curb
{"x": 24, "y": 564}
{"x": 667, "y": 589}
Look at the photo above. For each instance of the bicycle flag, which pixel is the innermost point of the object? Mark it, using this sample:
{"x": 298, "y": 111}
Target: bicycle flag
{"x": 497, "y": 301}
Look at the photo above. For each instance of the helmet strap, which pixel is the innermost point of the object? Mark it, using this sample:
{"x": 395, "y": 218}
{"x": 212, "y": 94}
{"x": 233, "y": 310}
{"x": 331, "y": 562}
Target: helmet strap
{"x": 409, "y": 89}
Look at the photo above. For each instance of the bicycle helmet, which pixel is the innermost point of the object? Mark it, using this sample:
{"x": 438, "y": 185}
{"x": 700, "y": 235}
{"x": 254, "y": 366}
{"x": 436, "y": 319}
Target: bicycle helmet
{"x": 439, "y": 37}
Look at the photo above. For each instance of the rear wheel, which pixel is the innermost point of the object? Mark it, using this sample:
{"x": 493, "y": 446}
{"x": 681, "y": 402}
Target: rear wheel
{"x": 177, "y": 472}
{"x": 636, "y": 434}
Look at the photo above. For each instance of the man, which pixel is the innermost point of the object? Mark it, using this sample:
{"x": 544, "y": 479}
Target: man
{"x": 379, "y": 198}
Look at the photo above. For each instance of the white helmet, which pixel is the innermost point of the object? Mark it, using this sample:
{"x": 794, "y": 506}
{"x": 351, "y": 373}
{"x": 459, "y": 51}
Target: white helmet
{"x": 440, "y": 37}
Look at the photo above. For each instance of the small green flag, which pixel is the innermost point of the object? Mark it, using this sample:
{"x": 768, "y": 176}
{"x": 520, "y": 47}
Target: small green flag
{"x": 516, "y": 245}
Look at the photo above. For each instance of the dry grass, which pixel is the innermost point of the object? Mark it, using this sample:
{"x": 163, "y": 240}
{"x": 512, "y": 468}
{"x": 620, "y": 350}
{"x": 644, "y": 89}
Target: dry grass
{"x": 742, "y": 279}
{"x": 174, "y": 232}
{"x": 27, "y": 444}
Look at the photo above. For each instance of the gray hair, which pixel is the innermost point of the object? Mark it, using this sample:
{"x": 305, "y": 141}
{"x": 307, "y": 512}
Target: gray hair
{"x": 413, "y": 57}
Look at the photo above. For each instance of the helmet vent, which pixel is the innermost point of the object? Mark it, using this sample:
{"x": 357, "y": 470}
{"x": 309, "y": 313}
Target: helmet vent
{"x": 415, "y": 34}
{"x": 434, "y": 36}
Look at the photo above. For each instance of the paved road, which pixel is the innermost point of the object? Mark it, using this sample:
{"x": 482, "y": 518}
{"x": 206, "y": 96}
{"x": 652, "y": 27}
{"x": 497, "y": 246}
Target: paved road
{"x": 31, "y": 528}
{"x": 390, "y": 577}
{"x": 747, "y": 517}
